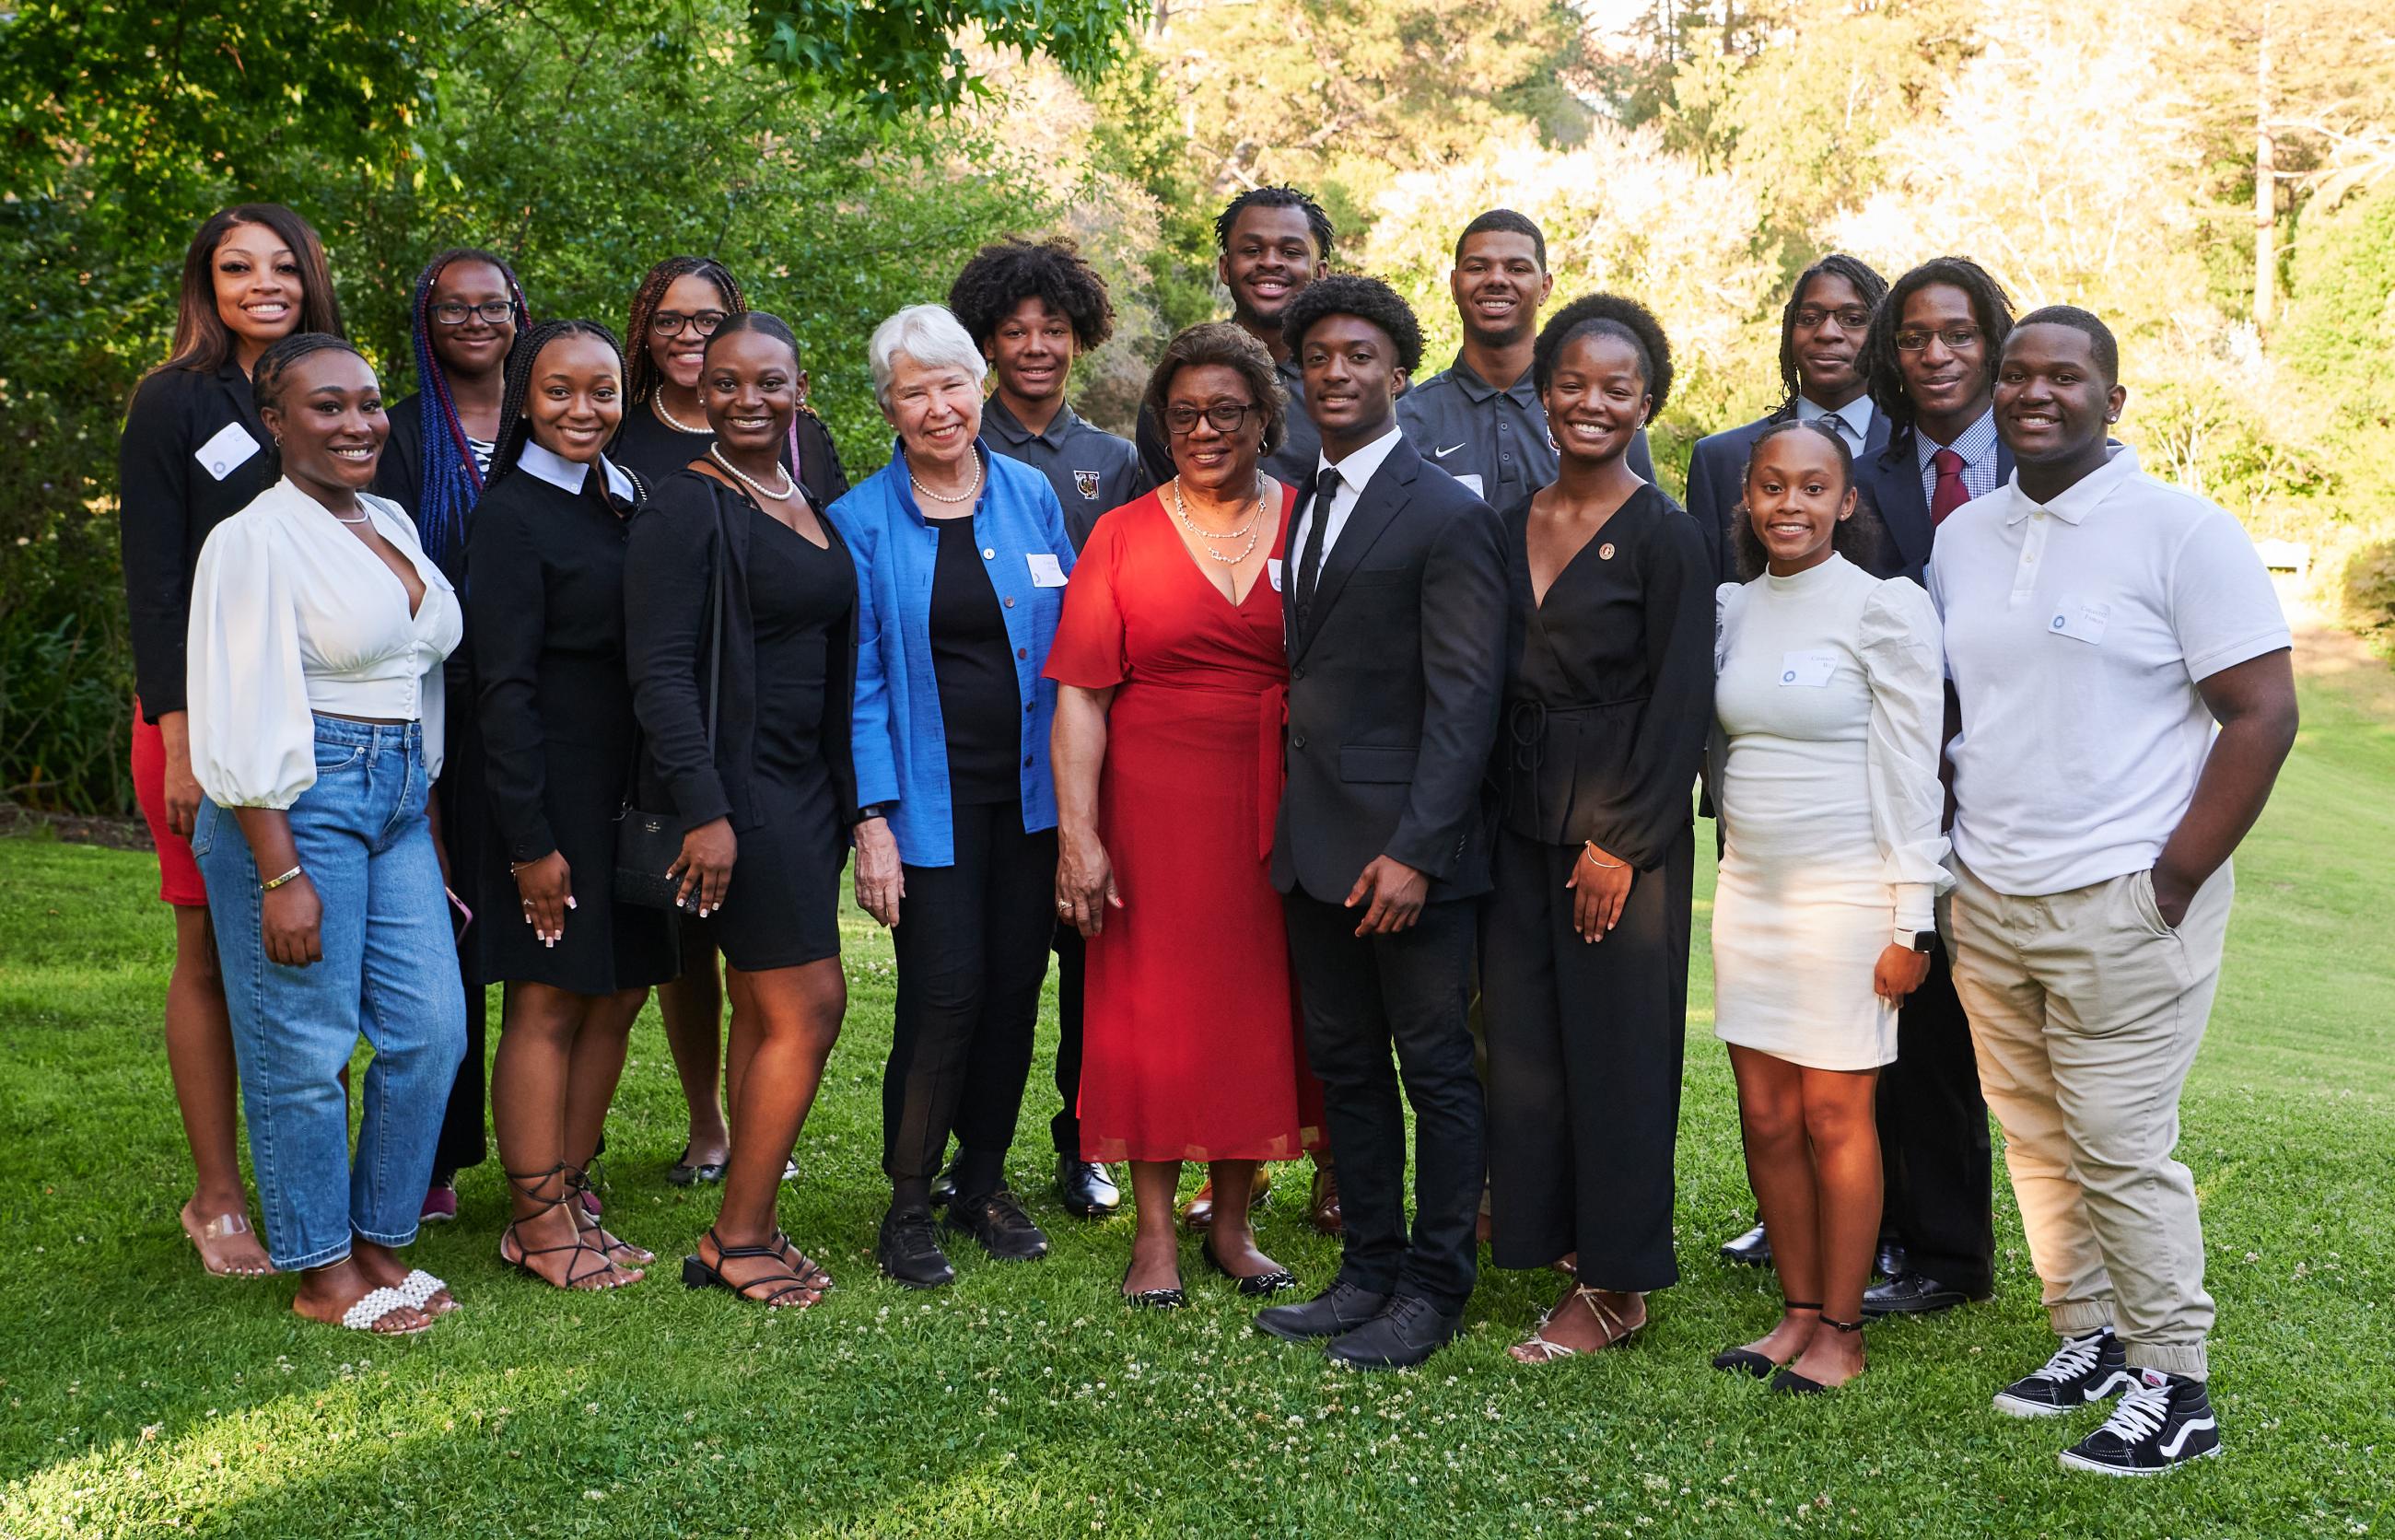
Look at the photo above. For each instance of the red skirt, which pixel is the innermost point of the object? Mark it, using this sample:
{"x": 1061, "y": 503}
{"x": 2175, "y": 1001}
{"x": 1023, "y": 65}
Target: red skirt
{"x": 179, "y": 875}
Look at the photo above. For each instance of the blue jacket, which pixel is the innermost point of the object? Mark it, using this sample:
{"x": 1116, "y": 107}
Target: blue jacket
{"x": 900, "y": 744}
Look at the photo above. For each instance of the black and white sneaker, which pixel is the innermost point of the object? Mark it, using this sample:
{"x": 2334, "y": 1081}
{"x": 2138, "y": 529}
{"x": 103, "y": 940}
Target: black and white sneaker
{"x": 2162, "y": 1423}
{"x": 2083, "y": 1370}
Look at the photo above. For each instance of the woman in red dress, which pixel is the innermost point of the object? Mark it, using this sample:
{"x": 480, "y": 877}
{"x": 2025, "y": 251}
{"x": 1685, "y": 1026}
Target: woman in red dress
{"x": 1167, "y": 749}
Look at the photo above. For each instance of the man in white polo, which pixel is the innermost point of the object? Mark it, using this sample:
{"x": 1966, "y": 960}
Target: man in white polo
{"x": 2098, "y": 624}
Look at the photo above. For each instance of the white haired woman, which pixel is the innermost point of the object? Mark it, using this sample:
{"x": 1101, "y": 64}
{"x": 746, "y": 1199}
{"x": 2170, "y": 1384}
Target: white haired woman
{"x": 961, "y": 558}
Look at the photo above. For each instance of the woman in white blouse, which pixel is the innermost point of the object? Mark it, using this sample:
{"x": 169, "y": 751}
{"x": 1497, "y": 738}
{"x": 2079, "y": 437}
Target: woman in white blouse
{"x": 1827, "y": 706}
{"x": 317, "y": 633}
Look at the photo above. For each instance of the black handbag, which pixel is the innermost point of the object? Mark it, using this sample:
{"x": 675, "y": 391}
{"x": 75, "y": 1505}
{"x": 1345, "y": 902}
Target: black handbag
{"x": 649, "y": 843}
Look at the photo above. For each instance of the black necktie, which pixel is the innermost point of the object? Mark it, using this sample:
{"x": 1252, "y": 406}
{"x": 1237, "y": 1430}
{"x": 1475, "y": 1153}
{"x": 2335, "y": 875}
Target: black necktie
{"x": 1834, "y": 423}
{"x": 1309, "y": 562}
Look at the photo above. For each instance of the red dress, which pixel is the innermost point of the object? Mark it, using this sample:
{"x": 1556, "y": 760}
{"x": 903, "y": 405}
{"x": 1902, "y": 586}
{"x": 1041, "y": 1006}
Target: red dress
{"x": 1191, "y": 1048}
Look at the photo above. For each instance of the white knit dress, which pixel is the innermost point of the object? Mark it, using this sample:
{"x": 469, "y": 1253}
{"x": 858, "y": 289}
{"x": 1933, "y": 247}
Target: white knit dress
{"x": 1829, "y": 703}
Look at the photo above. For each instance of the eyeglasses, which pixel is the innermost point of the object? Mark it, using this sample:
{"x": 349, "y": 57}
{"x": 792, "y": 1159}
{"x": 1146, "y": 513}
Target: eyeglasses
{"x": 671, "y": 323}
{"x": 1225, "y": 417}
{"x": 1854, "y": 318}
{"x": 454, "y": 312}
{"x": 1956, "y": 338}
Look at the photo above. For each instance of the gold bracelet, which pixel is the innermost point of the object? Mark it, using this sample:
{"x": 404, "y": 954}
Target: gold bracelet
{"x": 272, "y": 883}
{"x": 1588, "y": 849}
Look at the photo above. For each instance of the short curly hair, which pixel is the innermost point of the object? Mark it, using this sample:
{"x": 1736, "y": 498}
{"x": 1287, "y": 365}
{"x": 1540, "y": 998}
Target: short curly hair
{"x": 1606, "y": 315}
{"x": 1005, "y": 273}
{"x": 1318, "y": 223}
{"x": 1228, "y": 344}
{"x": 1364, "y": 298}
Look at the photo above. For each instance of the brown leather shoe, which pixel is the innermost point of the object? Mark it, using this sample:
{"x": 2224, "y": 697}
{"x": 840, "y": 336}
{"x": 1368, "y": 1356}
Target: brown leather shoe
{"x": 1322, "y": 1203}
{"x": 1198, "y": 1214}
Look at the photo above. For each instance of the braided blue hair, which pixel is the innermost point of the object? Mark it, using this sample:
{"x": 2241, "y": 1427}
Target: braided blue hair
{"x": 450, "y": 483}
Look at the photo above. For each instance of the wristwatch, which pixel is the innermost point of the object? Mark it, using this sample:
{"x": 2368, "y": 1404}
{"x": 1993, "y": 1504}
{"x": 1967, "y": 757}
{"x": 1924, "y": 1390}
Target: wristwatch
{"x": 1917, "y": 941}
{"x": 874, "y": 809}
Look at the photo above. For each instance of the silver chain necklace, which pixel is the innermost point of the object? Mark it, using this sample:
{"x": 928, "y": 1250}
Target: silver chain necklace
{"x": 714, "y": 453}
{"x": 1252, "y": 529}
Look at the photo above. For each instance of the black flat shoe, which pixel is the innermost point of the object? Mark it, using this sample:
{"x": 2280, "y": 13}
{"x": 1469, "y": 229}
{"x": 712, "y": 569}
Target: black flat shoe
{"x": 1746, "y": 1360}
{"x": 1916, "y": 1294}
{"x": 999, "y": 1224}
{"x": 1254, "y": 1286}
{"x": 909, "y": 1252}
{"x": 1086, "y": 1189}
{"x": 681, "y": 1173}
{"x": 1788, "y": 1382}
{"x": 1173, "y": 1298}
{"x": 1750, "y": 1250}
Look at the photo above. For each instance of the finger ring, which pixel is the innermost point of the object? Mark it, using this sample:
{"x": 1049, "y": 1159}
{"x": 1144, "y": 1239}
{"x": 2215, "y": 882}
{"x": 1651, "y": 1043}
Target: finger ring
{"x": 1064, "y": 909}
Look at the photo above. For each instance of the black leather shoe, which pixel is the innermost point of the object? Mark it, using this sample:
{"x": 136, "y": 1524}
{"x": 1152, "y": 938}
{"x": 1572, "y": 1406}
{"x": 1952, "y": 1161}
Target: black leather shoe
{"x": 1750, "y": 1250}
{"x": 1334, "y": 1312}
{"x": 999, "y": 1224}
{"x": 1408, "y": 1331}
{"x": 681, "y": 1173}
{"x": 1890, "y": 1260}
{"x": 1086, "y": 1189}
{"x": 1915, "y": 1294}
{"x": 944, "y": 1188}
{"x": 909, "y": 1252}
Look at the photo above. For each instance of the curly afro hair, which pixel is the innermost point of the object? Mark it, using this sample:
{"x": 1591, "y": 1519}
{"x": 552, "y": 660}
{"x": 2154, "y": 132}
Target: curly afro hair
{"x": 1317, "y": 222}
{"x": 1004, "y": 275}
{"x": 1367, "y": 299}
{"x": 1607, "y": 315}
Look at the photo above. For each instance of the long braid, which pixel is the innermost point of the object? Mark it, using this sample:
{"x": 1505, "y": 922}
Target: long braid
{"x": 266, "y": 377}
{"x": 515, "y": 424}
{"x": 449, "y": 481}
{"x": 641, "y": 378}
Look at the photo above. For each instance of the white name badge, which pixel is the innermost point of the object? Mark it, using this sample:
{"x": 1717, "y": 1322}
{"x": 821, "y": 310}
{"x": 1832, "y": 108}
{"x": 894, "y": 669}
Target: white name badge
{"x": 1807, "y": 670}
{"x": 1272, "y": 569}
{"x": 228, "y": 452}
{"x": 1472, "y": 483}
{"x": 2079, "y": 620}
{"x": 1045, "y": 570}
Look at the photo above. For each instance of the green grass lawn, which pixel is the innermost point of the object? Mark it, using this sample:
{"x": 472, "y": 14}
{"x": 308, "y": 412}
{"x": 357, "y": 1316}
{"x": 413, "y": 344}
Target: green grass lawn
{"x": 143, "y": 1397}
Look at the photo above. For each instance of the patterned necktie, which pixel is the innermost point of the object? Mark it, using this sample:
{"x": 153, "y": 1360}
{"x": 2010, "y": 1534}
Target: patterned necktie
{"x": 1318, "y": 519}
{"x": 1951, "y": 493}
{"x": 1836, "y": 424}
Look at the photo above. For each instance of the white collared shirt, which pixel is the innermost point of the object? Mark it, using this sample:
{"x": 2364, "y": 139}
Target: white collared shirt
{"x": 1356, "y": 472}
{"x": 2076, "y": 634}
{"x": 1854, "y": 420}
{"x": 569, "y": 475}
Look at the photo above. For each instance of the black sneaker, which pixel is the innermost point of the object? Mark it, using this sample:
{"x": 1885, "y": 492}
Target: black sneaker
{"x": 910, "y": 1253}
{"x": 2162, "y": 1423}
{"x": 999, "y": 1224}
{"x": 2083, "y": 1370}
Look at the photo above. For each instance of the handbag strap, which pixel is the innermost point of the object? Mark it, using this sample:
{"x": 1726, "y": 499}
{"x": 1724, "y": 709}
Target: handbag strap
{"x": 715, "y": 626}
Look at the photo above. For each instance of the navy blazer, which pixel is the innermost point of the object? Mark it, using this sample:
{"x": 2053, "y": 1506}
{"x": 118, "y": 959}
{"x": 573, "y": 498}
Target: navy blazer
{"x": 1717, "y": 479}
{"x": 1891, "y": 482}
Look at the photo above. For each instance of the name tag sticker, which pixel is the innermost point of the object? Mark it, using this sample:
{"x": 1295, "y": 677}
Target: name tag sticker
{"x": 228, "y": 452}
{"x": 2079, "y": 620}
{"x": 1807, "y": 670}
{"x": 1472, "y": 483}
{"x": 1272, "y": 568}
{"x": 1045, "y": 570}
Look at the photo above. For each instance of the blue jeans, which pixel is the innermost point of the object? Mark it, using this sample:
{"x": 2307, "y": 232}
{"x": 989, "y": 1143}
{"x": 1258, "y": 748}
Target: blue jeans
{"x": 390, "y": 970}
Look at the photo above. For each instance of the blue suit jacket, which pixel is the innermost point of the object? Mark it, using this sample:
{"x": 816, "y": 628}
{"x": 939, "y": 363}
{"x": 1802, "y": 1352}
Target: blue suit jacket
{"x": 1716, "y": 480}
{"x": 1891, "y": 482}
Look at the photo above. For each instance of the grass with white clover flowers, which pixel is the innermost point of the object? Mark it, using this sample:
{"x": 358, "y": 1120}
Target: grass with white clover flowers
{"x": 139, "y": 1396}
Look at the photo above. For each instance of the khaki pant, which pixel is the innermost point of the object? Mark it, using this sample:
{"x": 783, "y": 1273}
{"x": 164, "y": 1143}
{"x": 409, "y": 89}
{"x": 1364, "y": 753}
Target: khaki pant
{"x": 2085, "y": 1012}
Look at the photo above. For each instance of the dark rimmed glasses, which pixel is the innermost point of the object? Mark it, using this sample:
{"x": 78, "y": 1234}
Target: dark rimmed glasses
{"x": 1223, "y": 416}
{"x": 671, "y": 323}
{"x": 457, "y": 312}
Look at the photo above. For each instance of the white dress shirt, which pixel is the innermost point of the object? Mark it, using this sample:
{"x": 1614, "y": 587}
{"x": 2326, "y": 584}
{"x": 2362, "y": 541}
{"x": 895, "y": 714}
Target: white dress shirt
{"x": 293, "y": 614}
{"x": 1354, "y": 472}
{"x": 569, "y": 475}
{"x": 1854, "y": 420}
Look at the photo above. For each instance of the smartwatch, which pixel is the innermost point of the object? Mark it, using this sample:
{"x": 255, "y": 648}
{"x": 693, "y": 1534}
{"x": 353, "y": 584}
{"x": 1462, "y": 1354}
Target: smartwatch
{"x": 1918, "y": 940}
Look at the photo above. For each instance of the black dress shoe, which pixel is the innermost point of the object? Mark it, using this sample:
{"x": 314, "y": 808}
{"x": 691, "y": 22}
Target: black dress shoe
{"x": 1750, "y": 1250}
{"x": 944, "y": 1188}
{"x": 1406, "y": 1332}
{"x": 1254, "y": 1286}
{"x": 1915, "y": 1294}
{"x": 909, "y": 1252}
{"x": 1890, "y": 1260}
{"x": 999, "y": 1223}
{"x": 1334, "y": 1312}
{"x": 1086, "y": 1189}
{"x": 681, "y": 1173}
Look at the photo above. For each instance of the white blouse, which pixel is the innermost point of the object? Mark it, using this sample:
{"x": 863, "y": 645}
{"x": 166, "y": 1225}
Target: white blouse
{"x": 293, "y": 614}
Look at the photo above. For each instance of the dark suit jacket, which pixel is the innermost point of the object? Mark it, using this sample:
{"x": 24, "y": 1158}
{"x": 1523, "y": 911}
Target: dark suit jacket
{"x": 1716, "y": 482}
{"x": 1394, "y": 687}
{"x": 1891, "y": 481}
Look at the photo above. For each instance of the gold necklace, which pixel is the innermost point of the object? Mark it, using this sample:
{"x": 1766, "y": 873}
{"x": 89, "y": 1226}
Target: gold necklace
{"x": 1252, "y": 529}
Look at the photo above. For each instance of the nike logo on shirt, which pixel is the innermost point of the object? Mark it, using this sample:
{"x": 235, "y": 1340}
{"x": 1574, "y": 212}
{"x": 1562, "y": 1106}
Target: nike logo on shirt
{"x": 1443, "y": 453}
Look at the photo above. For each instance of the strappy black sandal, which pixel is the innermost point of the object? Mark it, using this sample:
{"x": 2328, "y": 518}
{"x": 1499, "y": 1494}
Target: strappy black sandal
{"x": 1788, "y": 1382}
{"x": 808, "y": 1271}
{"x": 581, "y": 1185}
{"x": 577, "y": 1274}
{"x": 787, "y": 1290}
{"x": 1761, "y": 1365}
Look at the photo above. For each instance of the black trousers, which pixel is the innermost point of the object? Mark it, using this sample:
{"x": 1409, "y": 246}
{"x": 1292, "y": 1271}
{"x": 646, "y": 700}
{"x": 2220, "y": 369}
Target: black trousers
{"x": 1072, "y": 954}
{"x": 1585, "y": 1046}
{"x": 972, "y": 942}
{"x": 1362, "y": 996}
{"x": 1933, "y": 1131}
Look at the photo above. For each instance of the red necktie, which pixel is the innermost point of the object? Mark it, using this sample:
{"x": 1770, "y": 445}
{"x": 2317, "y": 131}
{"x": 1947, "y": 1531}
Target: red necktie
{"x": 1950, "y": 492}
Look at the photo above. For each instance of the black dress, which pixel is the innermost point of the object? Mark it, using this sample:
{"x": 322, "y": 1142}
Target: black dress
{"x": 546, "y": 611}
{"x": 779, "y": 765}
{"x": 1608, "y": 698}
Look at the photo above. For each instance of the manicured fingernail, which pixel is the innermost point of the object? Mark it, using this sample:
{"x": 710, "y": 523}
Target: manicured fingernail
{"x": 569, "y": 903}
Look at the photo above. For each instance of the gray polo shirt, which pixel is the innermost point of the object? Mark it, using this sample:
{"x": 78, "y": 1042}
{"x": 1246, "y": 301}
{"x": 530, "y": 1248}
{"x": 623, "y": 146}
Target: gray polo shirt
{"x": 1093, "y": 470}
{"x": 1301, "y": 447}
{"x": 1494, "y": 441}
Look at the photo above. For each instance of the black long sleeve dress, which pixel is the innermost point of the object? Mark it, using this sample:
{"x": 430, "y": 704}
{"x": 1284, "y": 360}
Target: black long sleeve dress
{"x": 1608, "y": 697}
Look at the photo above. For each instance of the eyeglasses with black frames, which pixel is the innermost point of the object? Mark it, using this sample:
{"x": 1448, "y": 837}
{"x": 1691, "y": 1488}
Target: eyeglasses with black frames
{"x": 671, "y": 323}
{"x": 456, "y": 312}
{"x": 1225, "y": 417}
{"x": 1956, "y": 338}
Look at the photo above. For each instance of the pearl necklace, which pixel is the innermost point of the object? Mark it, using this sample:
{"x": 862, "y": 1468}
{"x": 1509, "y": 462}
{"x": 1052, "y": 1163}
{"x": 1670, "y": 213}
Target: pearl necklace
{"x": 657, "y": 405}
{"x": 1251, "y": 529}
{"x": 714, "y": 453}
{"x": 966, "y": 496}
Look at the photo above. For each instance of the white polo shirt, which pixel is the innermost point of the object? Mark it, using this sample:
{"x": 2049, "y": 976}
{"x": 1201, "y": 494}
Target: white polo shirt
{"x": 2075, "y": 633}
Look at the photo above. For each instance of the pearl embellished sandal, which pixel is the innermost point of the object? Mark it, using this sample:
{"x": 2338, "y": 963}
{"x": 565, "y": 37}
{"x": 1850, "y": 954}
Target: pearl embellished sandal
{"x": 376, "y": 1305}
